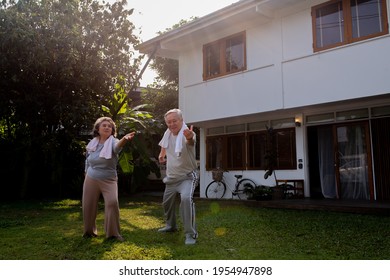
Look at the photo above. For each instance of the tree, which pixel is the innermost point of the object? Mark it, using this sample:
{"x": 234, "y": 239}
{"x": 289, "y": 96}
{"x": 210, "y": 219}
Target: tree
{"x": 135, "y": 160}
{"x": 163, "y": 93}
{"x": 59, "y": 59}
{"x": 58, "y": 63}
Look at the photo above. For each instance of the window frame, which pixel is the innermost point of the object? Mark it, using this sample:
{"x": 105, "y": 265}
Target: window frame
{"x": 246, "y": 150}
{"x": 347, "y": 20}
{"x": 221, "y": 46}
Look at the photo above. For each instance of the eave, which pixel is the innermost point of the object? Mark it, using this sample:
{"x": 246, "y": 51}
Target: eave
{"x": 242, "y": 13}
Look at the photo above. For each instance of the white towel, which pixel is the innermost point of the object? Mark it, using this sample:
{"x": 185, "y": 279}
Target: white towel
{"x": 179, "y": 140}
{"x": 106, "y": 152}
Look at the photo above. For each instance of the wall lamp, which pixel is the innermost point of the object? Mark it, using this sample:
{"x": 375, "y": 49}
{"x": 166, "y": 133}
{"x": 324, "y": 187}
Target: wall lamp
{"x": 298, "y": 120}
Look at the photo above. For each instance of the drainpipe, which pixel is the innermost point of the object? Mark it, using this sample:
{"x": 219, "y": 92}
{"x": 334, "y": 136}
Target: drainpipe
{"x": 156, "y": 47}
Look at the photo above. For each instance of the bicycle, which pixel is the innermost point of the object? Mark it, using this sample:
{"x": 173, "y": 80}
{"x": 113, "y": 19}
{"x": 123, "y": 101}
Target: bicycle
{"x": 243, "y": 188}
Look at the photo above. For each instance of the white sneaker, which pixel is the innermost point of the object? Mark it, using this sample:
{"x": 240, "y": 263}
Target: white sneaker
{"x": 190, "y": 240}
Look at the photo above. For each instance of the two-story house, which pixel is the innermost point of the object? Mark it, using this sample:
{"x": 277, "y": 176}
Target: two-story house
{"x": 316, "y": 71}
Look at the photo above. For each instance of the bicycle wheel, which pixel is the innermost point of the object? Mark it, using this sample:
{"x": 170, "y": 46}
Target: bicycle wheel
{"x": 245, "y": 188}
{"x": 216, "y": 189}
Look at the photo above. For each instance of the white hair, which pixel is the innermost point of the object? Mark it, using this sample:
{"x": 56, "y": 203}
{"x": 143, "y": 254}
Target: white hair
{"x": 176, "y": 111}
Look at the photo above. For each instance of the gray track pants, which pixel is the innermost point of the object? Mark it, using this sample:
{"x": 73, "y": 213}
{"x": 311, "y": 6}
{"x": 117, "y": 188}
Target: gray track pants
{"x": 185, "y": 187}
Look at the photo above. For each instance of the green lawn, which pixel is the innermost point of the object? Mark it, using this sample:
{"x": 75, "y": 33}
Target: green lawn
{"x": 52, "y": 230}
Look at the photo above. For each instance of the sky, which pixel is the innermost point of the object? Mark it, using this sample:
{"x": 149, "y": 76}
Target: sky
{"x": 152, "y": 16}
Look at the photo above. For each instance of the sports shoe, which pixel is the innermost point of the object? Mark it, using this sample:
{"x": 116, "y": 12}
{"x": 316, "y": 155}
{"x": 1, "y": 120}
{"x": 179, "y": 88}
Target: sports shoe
{"x": 119, "y": 238}
{"x": 167, "y": 229}
{"x": 89, "y": 235}
{"x": 190, "y": 240}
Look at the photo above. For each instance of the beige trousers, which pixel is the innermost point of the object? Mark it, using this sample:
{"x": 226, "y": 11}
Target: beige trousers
{"x": 91, "y": 193}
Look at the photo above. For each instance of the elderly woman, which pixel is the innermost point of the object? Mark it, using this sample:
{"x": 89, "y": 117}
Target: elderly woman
{"x": 101, "y": 178}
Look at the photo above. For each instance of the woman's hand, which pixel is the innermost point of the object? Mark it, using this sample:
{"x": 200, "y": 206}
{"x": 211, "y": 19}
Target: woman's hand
{"x": 129, "y": 136}
{"x": 126, "y": 139}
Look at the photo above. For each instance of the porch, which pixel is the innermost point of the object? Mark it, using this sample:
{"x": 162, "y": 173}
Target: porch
{"x": 334, "y": 205}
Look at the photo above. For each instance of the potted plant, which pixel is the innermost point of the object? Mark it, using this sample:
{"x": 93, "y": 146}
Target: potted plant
{"x": 262, "y": 193}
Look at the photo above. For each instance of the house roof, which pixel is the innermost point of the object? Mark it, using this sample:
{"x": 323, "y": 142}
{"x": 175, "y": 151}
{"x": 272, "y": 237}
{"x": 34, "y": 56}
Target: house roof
{"x": 242, "y": 13}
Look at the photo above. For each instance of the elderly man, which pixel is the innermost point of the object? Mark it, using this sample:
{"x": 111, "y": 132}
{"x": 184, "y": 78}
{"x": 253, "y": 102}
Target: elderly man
{"x": 182, "y": 176}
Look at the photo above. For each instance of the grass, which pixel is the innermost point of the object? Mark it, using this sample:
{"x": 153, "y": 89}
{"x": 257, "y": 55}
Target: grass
{"x": 52, "y": 230}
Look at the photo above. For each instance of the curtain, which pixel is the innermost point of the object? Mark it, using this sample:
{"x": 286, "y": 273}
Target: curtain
{"x": 326, "y": 162}
{"x": 352, "y": 162}
{"x": 353, "y": 167}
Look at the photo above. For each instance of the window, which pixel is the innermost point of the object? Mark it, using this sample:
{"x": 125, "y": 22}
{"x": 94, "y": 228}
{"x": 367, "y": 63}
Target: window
{"x": 247, "y": 151}
{"x": 257, "y": 147}
{"x": 352, "y": 114}
{"x": 236, "y": 151}
{"x": 285, "y": 149}
{"x": 214, "y": 152}
{"x": 380, "y": 111}
{"x": 224, "y": 56}
{"x": 341, "y": 22}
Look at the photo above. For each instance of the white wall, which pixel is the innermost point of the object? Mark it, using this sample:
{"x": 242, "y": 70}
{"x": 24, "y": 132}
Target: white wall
{"x": 238, "y": 95}
{"x": 359, "y": 70}
{"x": 283, "y": 72}
{"x": 296, "y": 33}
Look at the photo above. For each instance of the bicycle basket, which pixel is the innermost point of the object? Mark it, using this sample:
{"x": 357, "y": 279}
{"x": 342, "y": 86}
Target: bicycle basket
{"x": 217, "y": 175}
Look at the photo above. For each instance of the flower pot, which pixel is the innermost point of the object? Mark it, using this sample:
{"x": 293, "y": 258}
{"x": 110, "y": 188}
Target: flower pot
{"x": 278, "y": 192}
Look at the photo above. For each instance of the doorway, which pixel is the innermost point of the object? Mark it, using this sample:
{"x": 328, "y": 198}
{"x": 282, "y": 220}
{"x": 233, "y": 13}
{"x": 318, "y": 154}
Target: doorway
{"x": 340, "y": 161}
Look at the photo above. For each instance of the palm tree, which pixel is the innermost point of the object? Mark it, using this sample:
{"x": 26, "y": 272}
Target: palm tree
{"x": 135, "y": 160}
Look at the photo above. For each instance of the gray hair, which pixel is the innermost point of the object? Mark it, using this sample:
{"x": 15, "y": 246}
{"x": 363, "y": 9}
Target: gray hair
{"x": 95, "y": 131}
{"x": 176, "y": 111}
